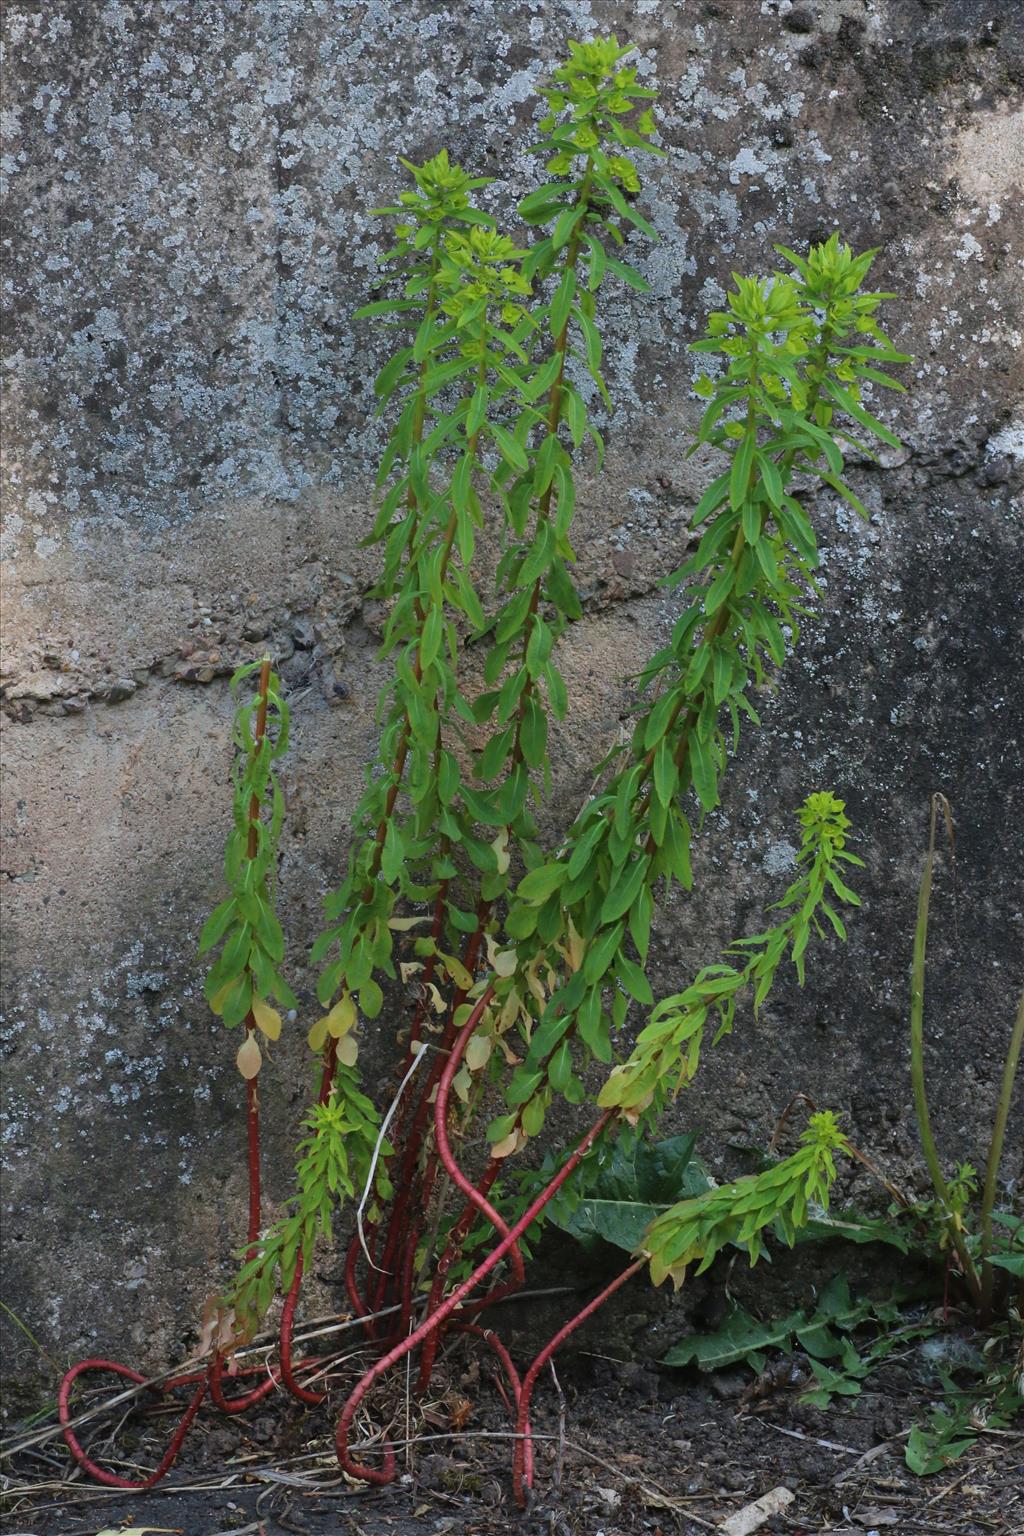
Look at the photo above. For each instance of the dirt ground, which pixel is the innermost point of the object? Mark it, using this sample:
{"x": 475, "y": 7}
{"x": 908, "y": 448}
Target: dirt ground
{"x": 623, "y": 1447}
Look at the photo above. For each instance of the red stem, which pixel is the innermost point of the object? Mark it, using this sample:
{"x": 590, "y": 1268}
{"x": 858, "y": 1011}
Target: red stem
{"x": 303, "y": 1394}
{"x": 252, "y": 1097}
{"x": 248, "y": 1399}
{"x": 505, "y": 1359}
{"x": 522, "y": 1464}
{"x": 97, "y": 1473}
{"x": 445, "y": 1310}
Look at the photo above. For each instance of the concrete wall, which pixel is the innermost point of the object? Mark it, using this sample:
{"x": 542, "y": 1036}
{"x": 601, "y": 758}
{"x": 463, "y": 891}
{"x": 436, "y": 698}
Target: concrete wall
{"x": 190, "y": 452}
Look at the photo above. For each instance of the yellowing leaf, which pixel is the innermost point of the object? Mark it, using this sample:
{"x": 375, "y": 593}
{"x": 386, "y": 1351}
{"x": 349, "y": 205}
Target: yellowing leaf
{"x": 217, "y": 1000}
{"x": 457, "y": 971}
{"x": 348, "y": 1051}
{"x": 501, "y": 853}
{"x": 478, "y": 1052}
{"x": 462, "y": 1083}
{"x": 504, "y": 962}
{"x": 318, "y": 1035}
{"x": 249, "y": 1058}
{"x": 576, "y": 947}
{"x": 341, "y": 1017}
{"x": 403, "y": 924}
{"x": 506, "y": 1145}
{"x": 268, "y": 1019}
{"x": 408, "y": 969}
{"x": 436, "y": 998}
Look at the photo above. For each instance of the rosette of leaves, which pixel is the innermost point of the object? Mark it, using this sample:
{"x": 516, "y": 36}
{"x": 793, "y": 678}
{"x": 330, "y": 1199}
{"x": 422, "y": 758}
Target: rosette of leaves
{"x": 795, "y": 353}
{"x": 245, "y": 976}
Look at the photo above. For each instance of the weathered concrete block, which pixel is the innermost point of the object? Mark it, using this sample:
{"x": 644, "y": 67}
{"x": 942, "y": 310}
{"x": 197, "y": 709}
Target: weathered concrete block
{"x": 190, "y": 451}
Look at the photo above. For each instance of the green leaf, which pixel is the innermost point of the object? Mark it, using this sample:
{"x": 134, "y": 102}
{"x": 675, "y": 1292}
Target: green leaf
{"x": 666, "y": 774}
{"x": 739, "y": 475}
{"x": 740, "y": 1338}
{"x": 771, "y": 478}
{"x": 601, "y": 952}
{"x": 533, "y": 736}
{"x": 624, "y": 891}
{"x": 543, "y": 379}
{"x": 1014, "y": 1262}
{"x": 591, "y": 341}
{"x": 511, "y": 451}
{"x": 720, "y": 588}
{"x": 598, "y": 262}
{"x": 564, "y": 226}
{"x": 853, "y": 1228}
{"x": 624, "y": 209}
{"x": 629, "y": 275}
{"x": 385, "y": 307}
{"x": 562, "y": 303}
{"x": 540, "y": 197}
{"x": 558, "y": 697}
{"x": 477, "y": 413}
{"x": 217, "y": 924}
{"x": 430, "y": 642}
{"x": 560, "y": 1067}
{"x": 371, "y": 998}
{"x": 712, "y": 498}
{"x": 631, "y": 1183}
{"x": 541, "y": 883}
{"x": 852, "y": 408}
{"x": 705, "y": 778}
{"x": 634, "y": 980}
{"x": 392, "y": 854}
{"x": 391, "y": 373}
{"x": 844, "y": 490}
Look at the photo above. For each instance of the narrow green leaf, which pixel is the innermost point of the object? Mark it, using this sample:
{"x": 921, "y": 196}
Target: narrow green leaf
{"x": 852, "y": 408}
{"x": 739, "y": 475}
{"x": 217, "y": 924}
{"x": 562, "y": 303}
{"x": 541, "y": 883}
{"x": 601, "y": 952}
{"x": 705, "y": 777}
{"x": 511, "y": 451}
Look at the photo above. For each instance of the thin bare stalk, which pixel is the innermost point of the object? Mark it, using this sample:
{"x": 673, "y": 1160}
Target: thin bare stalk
{"x": 995, "y": 1153}
{"x": 928, "y": 1146}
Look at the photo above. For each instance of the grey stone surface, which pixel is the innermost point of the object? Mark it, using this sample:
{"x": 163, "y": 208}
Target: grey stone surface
{"x": 190, "y": 449}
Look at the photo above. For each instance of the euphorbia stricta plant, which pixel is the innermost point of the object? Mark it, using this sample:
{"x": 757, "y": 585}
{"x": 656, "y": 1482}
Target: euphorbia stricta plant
{"x": 505, "y": 966}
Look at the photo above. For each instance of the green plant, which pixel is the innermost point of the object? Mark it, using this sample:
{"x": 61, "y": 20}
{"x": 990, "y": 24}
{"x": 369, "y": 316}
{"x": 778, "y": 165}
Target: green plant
{"x": 527, "y": 955}
{"x": 825, "y": 1333}
{"x": 844, "y": 1339}
{"x": 960, "y": 1226}
{"x": 991, "y": 1402}
{"x": 977, "y": 1253}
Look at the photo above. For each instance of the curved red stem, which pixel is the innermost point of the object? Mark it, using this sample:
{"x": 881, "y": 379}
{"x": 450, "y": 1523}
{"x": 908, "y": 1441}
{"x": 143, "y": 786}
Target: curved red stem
{"x": 505, "y": 1359}
{"x": 248, "y": 1399}
{"x": 522, "y": 1463}
{"x": 445, "y": 1310}
{"x": 97, "y": 1473}
{"x": 288, "y": 1376}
